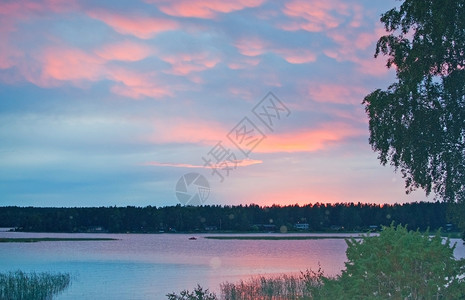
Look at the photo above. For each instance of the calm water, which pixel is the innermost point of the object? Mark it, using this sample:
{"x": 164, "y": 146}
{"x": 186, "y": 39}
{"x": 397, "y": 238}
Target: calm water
{"x": 139, "y": 266}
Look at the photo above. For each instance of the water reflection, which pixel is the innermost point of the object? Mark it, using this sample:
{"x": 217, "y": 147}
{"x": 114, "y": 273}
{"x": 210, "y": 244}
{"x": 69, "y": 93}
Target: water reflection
{"x": 140, "y": 266}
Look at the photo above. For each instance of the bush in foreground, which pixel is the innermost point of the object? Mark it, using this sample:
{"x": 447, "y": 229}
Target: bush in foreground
{"x": 400, "y": 264}
{"x": 32, "y": 286}
{"x": 396, "y": 264}
{"x": 198, "y": 294}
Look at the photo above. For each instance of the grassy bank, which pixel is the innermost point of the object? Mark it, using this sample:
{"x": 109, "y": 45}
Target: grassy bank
{"x": 32, "y": 286}
{"x": 35, "y": 240}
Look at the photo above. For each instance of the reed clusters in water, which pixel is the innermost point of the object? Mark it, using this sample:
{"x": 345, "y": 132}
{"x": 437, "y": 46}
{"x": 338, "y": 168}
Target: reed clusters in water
{"x": 289, "y": 287}
{"x": 19, "y": 285}
{"x": 282, "y": 287}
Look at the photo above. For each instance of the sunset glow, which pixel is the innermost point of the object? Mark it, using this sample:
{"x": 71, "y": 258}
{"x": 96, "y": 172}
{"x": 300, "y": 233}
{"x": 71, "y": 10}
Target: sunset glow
{"x": 108, "y": 103}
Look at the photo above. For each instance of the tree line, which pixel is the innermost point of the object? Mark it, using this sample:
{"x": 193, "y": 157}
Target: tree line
{"x": 240, "y": 218}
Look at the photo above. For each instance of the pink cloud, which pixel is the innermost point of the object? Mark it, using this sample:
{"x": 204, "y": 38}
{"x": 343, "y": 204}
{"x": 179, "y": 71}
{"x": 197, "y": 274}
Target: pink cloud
{"x": 23, "y": 9}
{"x": 136, "y": 85}
{"x": 207, "y": 9}
{"x": 313, "y": 15}
{"x": 124, "y": 51}
{"x": 237, "y": 163}
{"x": 61, "y": 64}
{"x": 14, "y": 12}
{"x": 67, "y": 64}
{"x": 335, "y": 93}
{"x": 138, "y": 92}
{"x": 309, "y": 140}
{"x": 316, "y": 16}
{"x": 352, "y": 45}
{"x": 297, "y": 56}
{"x": 186, "y": 63}
{"x": 374, "y": 67}
{"x": 141, "y": 26}
{"x": 178, "y": 130}
{"x": 253, "y": 46}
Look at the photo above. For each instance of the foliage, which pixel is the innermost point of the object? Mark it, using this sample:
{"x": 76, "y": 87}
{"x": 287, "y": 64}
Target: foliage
{"x": 400, "y": 264}
{"x": 319, "y": 216}
{"x": 279, "y": 287}
{"x": 396, "y": 264}
{"x": 197, "y": 294}
{"x": 418, "y": 123}
{"x": 287, "y": 287}
{"x": 32, "y": 286}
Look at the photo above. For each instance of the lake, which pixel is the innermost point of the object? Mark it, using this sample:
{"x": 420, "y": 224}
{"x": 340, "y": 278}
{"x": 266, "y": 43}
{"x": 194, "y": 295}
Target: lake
{"x": 148, "y": 266}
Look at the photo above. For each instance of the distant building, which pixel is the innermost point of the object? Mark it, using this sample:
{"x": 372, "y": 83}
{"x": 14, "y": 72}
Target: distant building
{"x": 301, "y": 226}
{"x": 96, "y": 229}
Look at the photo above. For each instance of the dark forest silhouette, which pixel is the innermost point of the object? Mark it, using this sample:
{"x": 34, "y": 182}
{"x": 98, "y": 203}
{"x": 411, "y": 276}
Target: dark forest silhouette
{"x": 246, "y": 218}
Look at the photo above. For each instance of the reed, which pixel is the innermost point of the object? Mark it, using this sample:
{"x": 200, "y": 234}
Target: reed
{"x": 289, "y": 287}
{"x": 19, "y": 285}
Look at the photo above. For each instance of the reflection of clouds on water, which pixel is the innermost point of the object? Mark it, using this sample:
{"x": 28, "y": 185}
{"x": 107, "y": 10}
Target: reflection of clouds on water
{"x": 139, "y": 266}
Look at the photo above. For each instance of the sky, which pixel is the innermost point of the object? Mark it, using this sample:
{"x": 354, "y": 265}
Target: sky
{"x": 114, "y": 102}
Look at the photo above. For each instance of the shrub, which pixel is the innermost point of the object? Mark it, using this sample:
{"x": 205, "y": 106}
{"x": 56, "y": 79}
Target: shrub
{"x": 399, "y": 264}
{"x": 197, "y": 294}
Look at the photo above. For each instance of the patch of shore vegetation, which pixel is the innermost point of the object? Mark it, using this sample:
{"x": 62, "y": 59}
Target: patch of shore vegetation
{"x": 19, "y": 285}
{"x": 46, "y": 239}
{"x": 396, "y": 264}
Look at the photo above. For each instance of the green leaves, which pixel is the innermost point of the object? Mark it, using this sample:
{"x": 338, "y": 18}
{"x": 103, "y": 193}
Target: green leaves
{"x": 198, "y": 294}
{"x": 402, "y": 264}
{"x": 418, "y": 123}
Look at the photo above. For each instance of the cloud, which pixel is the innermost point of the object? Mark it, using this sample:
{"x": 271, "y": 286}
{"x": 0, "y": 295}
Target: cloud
{"x": 67, "y": 64}
{"x": 314, "y": 15}
{"x": 14, "y": 12}
{"x": 358, "y": 47}
{"x": 310, "y": 140}
{"x": 180, "y": 131}
{"x": 140, "y": 26}
{"x": 337, "y": 93}
{"x": 173, "y": 165}
{"x": 185, "y": 63}
{"x": 58, "y": 65}
{"x": 206, "y": 9}
{"x": 236, "y": 163}
{"x": 124, "y": 51}
{"x": 297, "y": 56}
{"x": 24, "y": 9}
{"x": 136, "y": 85}
{"x": 251, "y": 46}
